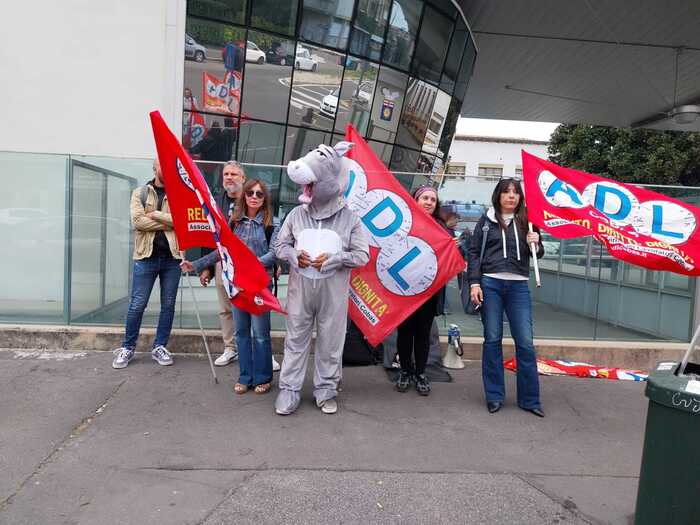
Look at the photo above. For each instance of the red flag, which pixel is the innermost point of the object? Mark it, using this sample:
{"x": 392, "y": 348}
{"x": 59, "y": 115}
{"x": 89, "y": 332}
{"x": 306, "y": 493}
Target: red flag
{"x": 552, "y": 367}
{"x": 198, "y": 221}
{"x": 411, "y": 256}
{"x": 636, "y": 225}
{"x": 221, "y": 96}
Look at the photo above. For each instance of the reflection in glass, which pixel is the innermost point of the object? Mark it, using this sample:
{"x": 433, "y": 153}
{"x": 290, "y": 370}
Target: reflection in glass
{"x": 266, "y": 87}
{"x": 387, "y": 105}
{"x": 356, "y": 95}
{"x": 454, "y": 57}
{"x": 382, "y": 150}
{"x": 448, "y": 130}
{"x": 326, "y": 22}
{"x": 368, "y": 30}
{"x": 418, "y": 107}
{"x": 433, "y": 132}
{"x": 279, "y": 16}
{"x": 211, "y": 137}
{"x": 465, "y": 71}
{"x": 260, "y": 143}
{"x": 432, "y": 45}
{"x": 315, "y": 88}
{"x": 404, "y": 160}
{"x": 224, "y": 10}
{"x": 216, "y": 80}
{"x": 447, "y": 7}
{"x": 401, "y": 36}
{"x": 301, "y": 140}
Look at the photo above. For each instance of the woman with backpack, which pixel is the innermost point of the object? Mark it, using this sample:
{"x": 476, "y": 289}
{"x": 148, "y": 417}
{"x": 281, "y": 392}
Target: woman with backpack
{"x": 252, "y": 223}
{"x": 413, "y": 334}
{"x": 498, "y": 273}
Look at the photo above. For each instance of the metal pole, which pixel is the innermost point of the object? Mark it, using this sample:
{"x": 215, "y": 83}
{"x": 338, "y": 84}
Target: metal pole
{"x": 199, "y": 320}
{"x": 686, "y": 357}
{"x": 597, "y": 302}
{"x": 533, "y": 249}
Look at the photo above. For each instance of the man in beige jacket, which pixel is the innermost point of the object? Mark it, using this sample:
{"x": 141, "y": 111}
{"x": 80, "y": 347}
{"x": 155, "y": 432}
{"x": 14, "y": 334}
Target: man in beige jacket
{"x": 156, "y": 256}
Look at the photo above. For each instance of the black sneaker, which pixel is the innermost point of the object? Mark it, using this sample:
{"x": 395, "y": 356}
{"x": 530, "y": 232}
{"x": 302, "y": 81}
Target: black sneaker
{"x": 404, "y": 381}
{"x": 422, "y": 385}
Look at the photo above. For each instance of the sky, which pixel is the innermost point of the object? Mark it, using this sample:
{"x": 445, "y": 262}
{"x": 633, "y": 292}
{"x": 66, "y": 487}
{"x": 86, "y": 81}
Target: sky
{"x": 505, "y": 128}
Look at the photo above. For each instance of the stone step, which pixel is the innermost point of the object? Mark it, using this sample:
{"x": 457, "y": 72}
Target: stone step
{"x": 641, "y": 355}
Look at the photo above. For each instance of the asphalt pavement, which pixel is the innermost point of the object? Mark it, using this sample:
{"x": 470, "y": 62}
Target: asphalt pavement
{"x": 81, "y": 443}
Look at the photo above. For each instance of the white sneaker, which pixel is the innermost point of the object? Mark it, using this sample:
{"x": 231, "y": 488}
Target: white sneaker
{"x": 229, "y": 355}
{"x": 276, "y": 367}
{"x": 122, "y": 356}
{"x": 329, "y": 406}
{"x": 161, "y": 355}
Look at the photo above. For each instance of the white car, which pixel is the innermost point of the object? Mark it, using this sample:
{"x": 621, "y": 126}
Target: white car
{"x": 254, "y": 54}
{"x": 329, "y": 104}
{"x": 305, "y": 61}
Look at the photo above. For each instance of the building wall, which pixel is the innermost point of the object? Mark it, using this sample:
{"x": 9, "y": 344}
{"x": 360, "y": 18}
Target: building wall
{"x": 507, "y": 154}
{"x": 80, "y": 77}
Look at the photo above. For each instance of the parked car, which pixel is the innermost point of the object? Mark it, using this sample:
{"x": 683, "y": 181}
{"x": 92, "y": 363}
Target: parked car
{"x": 329, "y": 103}
{"x": 305, "y": 61}
{"x": 466, "y": 211}
{"x": 280, "y": 54}
{"x": 254, "y": 54}
{"x": 193, "y": 50}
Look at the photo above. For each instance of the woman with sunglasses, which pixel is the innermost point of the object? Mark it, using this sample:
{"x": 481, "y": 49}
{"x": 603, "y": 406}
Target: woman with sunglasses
{"x": 413, "y": 336}
{"x": 252, "y": 223}
{"x": 498, "y": 273}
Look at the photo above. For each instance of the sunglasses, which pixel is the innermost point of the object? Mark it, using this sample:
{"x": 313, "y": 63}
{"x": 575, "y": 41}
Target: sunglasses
{"x": 257, "y": 193}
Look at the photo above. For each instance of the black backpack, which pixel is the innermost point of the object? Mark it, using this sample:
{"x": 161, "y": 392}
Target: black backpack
{"x": 357, "y": 351}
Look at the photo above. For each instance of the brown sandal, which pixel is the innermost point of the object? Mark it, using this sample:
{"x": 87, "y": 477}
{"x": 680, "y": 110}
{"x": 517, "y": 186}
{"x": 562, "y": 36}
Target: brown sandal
{"x": 239, "y": 388}
{"x": 263, "y": 389}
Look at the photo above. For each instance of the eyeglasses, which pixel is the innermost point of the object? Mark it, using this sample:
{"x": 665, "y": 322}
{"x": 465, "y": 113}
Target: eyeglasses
{"x": 257, "y": 193}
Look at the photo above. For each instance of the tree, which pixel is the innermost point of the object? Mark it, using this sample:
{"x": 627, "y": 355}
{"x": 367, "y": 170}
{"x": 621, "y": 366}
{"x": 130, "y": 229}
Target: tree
{"x": 640, "y": 156}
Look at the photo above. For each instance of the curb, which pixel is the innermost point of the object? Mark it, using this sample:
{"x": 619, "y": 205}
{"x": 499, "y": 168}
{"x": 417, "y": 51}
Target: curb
{"x": 638, "y": 355}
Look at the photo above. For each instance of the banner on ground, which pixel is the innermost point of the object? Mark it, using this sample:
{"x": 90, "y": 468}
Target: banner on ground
{"x": 197, "y": 221}
{"x": 550, "y": 367}
{"x": 411, "y": 256}
{"x": 636, "y": 225}
{"x": 221, "y": 96}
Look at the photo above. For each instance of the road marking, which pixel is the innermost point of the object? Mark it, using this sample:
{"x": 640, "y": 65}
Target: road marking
{"x": 297, "y": 94}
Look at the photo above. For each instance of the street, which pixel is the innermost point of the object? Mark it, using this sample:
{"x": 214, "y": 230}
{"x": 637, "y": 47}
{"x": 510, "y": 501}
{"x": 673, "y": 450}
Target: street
{"x": 85, "y": 444}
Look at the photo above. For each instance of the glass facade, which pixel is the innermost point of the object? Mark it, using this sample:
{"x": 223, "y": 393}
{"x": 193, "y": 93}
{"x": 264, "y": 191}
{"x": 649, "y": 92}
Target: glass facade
{"x": 78, "y": 212}
{"x": 267, "y": 81}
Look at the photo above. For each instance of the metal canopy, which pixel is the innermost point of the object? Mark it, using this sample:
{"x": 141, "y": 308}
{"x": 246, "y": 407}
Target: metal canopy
{"x": 607, "y": 62}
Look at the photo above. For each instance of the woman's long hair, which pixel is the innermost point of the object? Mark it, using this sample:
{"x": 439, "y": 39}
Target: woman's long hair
{"x": 520, "y": 213}
{"x": 242, "y": 206}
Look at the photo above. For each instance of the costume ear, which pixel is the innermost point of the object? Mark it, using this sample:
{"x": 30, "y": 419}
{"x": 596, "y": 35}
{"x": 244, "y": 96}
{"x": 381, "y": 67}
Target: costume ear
{"x": 343, "y": 147}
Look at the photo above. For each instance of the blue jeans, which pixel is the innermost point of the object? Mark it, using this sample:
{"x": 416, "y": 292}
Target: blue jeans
{"x": 514, "y": 298}
{"x": 146, "y": 271}
{"x": 254, "y": 347}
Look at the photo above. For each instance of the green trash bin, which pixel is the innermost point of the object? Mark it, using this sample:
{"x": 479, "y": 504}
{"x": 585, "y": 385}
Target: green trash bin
{"x": 669, "y": 480}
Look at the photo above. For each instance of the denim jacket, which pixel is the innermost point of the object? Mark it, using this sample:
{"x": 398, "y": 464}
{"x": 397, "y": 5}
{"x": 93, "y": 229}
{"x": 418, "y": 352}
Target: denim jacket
{"x": 252, "y": 233}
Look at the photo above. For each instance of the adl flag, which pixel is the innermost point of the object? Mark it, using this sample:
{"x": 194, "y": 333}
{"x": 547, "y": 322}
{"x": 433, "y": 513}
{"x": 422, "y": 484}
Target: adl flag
{"x": 197, "y": 221}
{"x": 411, "y": 255}
{"x": 636, "y": 225}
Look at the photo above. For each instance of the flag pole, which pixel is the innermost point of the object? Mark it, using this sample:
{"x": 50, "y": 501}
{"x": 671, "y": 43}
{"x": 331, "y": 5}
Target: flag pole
{"x": 201, "y": 328}
{"x": 533, "y": 249}
{"x": 533, "y": 246}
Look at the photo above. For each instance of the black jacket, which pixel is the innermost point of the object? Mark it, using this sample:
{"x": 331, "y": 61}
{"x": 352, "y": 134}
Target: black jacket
{"x": 515, "y": 258}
